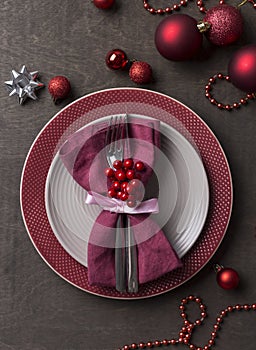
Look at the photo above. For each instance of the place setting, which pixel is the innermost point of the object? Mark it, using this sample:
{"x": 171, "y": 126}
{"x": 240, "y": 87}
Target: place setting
{"x": 126, "y": 193}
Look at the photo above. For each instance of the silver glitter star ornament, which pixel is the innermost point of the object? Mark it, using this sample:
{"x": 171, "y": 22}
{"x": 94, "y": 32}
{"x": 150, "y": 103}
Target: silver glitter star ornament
{"x": 23, "y": 84}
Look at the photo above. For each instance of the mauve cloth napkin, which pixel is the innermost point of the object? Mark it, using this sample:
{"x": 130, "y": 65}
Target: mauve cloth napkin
{"x": 84, "y": 157}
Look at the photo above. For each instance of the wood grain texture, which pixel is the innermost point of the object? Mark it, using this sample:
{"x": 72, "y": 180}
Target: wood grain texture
{"x": 39, "y": 310}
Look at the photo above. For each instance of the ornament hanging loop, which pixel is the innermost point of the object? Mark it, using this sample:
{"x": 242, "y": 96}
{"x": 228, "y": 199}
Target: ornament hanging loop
{"x": 245, "y": 1}
{"x": 217, "y": 267}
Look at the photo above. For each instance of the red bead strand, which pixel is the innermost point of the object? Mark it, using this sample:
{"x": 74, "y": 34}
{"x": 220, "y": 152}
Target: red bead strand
{"x": 186, "y": 330}
{"x": 162, "y": 11}
{"x": 228, "y": 107}
{"x": 182, "y": 3}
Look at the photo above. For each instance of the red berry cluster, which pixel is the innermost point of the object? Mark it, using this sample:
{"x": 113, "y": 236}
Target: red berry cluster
{"x": 125, "y": 181}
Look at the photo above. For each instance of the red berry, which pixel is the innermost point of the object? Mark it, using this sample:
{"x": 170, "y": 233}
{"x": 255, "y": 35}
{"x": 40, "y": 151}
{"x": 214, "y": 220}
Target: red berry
{"x": 124, "y": 186}
{"x": 119, "y": 194}
{"x": 109, "y": 172}
{"x": 130, "y": 174}
{"x": 139, "y": 166}
{"x": 128, "y": 163}
{"x": 120, "y": 175}
{"x": 124, "y": 196}
{"x": 131, "y": 203}
{"x": 117, "y": 164}
{"x": 116, "y": 185}
{"x": 111, "y": 192}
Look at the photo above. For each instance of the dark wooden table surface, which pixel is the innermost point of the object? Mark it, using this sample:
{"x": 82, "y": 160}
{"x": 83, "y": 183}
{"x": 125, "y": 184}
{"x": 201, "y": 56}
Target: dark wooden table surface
{"x": 38, "y": 309}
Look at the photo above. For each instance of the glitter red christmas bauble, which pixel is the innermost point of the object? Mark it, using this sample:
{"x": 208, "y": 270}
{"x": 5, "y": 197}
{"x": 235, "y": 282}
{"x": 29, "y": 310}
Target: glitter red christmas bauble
{"x": 177, "y": 37}
{"x": 140, "y": 72}
{"x": 103, "y": 4}
{"x": 116, "y": 59}
{"x": 242, "y": 69}
{"x": 226, "y": 24}
{"x": 59, "y": 87}
{"x": 227, "y": 278}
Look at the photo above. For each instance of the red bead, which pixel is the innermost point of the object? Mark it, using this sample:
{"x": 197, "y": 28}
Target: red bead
{"x": 157, "y": 343}
{"x": 173, "y": 341}
{"x": 126, "y": 347}
{"x": 230, "y": 308}
{"x": 168, "y": 10}
{"x": 134, "y": 346}
{"x": 165, "y": 342}
{"x": 119, "y": 194}
{"x": 139, "y": 166}
{"x": 211, "y": 342}
{"x": 254, "y": 306}
{"x": 112, "y": 193}
{"x": 109, "y": 172}
{"x": 198, "y": 322}
{"x": 124, "y": 196}
{"x": 116, "y": 185}
{"x": 120, "y": 175}
{"x": 192, "y": 347}
{"x": 59, "y": 87}
{"x": 117, "y": 164}
{"x": 124, "y": 186}
{"x": 142, "y": 345}
{"x": 160, "y": 11}
{"x": 128, "y": 163}
{"x": 116, "y": 59}
{"x": 130, "y": 174}
{"x": 176, "y": 7}
{"x": 149, "y": 344}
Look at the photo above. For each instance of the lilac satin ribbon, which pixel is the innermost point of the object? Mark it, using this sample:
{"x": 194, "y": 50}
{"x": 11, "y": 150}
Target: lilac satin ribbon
{"x": 117, "y": 206}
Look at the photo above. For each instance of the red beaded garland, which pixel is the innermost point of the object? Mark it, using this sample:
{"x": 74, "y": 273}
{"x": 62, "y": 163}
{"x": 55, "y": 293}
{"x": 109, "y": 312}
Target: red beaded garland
{"x": 185, "y": 333}
{"x": 227, "y": 107}
{"x": 182, "y": 3}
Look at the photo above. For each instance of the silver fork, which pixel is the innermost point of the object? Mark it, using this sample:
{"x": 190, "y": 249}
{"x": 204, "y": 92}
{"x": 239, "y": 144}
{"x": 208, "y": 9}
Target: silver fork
{"x": 117, "y": 141}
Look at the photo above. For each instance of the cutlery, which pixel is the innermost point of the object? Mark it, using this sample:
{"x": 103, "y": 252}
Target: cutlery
{"x": 116, "y": 145}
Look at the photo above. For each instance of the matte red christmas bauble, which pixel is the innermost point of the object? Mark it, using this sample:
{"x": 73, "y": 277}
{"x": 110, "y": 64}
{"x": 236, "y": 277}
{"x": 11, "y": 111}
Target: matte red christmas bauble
{"x": 242, "y": 69}
{"x": 103, "y": 4}
{"x": 227, "y": 278}
{"x": 116, "y": 59}
{"x": 59, "y": 87}
{"x": 177, "y": 37}
{"x": 140, "y": 72}
{"x": 226, "y": 24}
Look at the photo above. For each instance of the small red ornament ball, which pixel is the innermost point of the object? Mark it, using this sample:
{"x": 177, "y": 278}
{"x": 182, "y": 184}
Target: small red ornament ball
{"x": 177, "y": 37}
{"x": 226, "y": 25}
{"x": 242, "y": 69}
{"x": 227, "y": 278}
{"x": 104, "y": 4}
{"x": 116, "y": 59}
{"x": 140, "y": 72}
{"x": 59, "y": 87}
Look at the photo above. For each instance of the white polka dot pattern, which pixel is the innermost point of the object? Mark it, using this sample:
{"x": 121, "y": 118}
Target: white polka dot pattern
{"x": 90, "y": 108}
